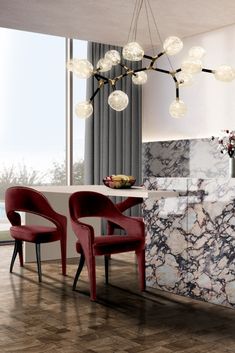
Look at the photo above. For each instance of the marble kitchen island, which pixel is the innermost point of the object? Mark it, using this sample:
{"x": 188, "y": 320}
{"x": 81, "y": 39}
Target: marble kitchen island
{"x": 190, "y": 244}
{"x": 190, "y": 234}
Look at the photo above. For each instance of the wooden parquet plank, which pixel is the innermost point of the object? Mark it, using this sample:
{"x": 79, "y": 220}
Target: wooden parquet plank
{"x": 51, "y": 318}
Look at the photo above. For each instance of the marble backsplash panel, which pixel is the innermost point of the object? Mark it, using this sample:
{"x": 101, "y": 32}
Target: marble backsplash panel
{"x": 164, "y": 159}
{"x": 199, "y": 158}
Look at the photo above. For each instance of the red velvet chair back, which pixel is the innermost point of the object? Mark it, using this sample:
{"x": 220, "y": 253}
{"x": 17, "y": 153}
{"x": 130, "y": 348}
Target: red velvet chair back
{"x": 25, "y": 199}
{"x": 92, "y": 204}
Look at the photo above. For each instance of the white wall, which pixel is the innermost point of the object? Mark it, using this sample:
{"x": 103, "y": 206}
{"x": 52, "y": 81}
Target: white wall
{"x": 211, "y": 103}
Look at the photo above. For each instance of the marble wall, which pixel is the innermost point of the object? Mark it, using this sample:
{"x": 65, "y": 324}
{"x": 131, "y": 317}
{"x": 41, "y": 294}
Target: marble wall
{"x": 199, "y": 158}
{"x": 190, "y": 243}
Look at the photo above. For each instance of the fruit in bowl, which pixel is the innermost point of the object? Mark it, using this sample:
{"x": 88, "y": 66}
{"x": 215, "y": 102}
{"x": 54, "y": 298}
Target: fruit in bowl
{"x": 119, "y": 181}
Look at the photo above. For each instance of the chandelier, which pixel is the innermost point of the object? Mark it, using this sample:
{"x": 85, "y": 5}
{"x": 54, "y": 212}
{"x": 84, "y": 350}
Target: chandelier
{"x": 133, "y": 52}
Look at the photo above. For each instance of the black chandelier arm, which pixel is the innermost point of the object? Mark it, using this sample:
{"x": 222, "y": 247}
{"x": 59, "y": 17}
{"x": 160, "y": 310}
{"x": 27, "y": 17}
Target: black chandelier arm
{"x": 100, "y": 85}
{"x": 161, "y": 70}
{"x": 176, "y": 85}
{"x": 148, "y": 57}
{"x": 95, "y": 93}
{"x": 175, "y": 79}
{"x": 117, "y": 78}
{"x": 177, "y": 91}
{"x": 98, "y": 77}
{"x": 178, "y": 70}
{"x": 126, "y": 68}
{"x": 154, "y": 58}
{"x": 127, "y": 73}
{"x": 208, "y": 71}
{"x": 160, "y": 54}
{"x": 139, "y": 70}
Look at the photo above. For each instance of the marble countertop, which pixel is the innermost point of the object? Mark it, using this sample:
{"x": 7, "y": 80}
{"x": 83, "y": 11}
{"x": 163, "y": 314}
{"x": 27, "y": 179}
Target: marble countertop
{"x": 135, "y": 191}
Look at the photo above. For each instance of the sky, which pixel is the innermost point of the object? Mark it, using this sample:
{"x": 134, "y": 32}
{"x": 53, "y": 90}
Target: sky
{"x": 32, "y": 99}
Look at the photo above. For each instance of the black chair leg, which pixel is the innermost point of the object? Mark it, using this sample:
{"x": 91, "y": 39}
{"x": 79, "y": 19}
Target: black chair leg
{"x": 38, "y": 256}
{"x": 16, "y": 249}
{"x": 20, "y": 252}
{"x": 79, "y": 270}
{"x": 106, "y": 268}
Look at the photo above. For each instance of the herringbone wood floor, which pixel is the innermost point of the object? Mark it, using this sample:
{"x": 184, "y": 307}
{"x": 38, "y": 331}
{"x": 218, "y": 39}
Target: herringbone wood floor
{"x": 50, "y": 317}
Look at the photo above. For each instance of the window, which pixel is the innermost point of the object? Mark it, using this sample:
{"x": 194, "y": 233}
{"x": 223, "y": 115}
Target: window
{"x": 32, "y": 113}
{"x": 79, "y": 95}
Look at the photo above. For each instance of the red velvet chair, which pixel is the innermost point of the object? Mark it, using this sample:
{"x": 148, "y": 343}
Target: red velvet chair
{"x": 93, "y": 204}
{"x": 24, "y": 199}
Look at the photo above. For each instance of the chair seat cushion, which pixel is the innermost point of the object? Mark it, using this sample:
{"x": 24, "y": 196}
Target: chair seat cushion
{"x": 111, "y": 244}
{"x": 34, "y": 233}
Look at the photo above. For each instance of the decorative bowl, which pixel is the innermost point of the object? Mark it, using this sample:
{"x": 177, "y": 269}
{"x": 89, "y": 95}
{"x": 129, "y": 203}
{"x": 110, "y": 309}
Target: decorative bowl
{"x": 119, "y": 181}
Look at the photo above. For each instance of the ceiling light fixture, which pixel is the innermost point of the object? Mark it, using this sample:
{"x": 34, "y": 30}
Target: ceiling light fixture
{"x": 132, "y": 51}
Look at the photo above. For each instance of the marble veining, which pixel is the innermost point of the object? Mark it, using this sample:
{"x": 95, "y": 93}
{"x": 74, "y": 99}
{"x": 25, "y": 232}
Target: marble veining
{"x": 199, "y": 158}
{"x": 168, "y": 158}
{"x": 190, "y": 244}
{"x": 206, "y": 160}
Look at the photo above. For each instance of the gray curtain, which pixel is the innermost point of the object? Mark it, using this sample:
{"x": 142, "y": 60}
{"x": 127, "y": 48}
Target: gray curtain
{"x": 112, "y": 139}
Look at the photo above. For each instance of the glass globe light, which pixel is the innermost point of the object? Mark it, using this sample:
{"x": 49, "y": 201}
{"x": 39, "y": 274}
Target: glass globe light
{"x": 184, "y": 79}
{"x": 118, "y": 100}
{"x": 114, "y": 56}
{"x": 104, "y": 65}
{"x": 224, "y": 73}
{"x": 133, "y": 52}
{"x": 172, "y": 45}
{"x": 191, "y": 65}
{"x": 82, "y": 68}
{"x": 139, "y": 78}
{"x": 177, "y": 109}
{"x": 84, "y": 109}
{"x": 197, "y": 52}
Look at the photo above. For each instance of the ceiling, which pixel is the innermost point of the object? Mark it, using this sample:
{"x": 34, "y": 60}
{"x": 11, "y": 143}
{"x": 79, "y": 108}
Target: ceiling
{"x": 108, "y": 21}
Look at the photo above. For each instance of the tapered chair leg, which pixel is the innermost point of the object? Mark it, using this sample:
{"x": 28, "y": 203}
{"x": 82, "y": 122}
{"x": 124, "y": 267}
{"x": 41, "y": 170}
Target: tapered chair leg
{"x": 141, "y": 268}
{"x": 20, "y": 251}
{"x": 92, "y": 277}
{"x": 106, "y": 267}
{"x": 15, "y": 251}
{"x": 38, "y": 256}
{"x": 79, "y": 270}
{"x": 63, "y": 247}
